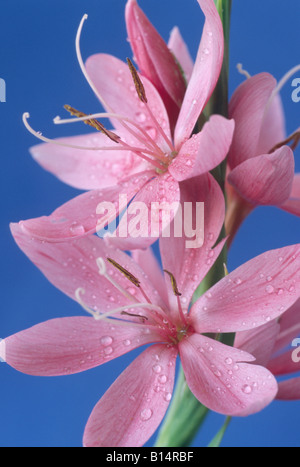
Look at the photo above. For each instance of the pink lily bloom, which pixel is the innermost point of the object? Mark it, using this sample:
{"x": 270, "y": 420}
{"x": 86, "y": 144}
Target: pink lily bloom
{"x": 269, "y": 345}
{"x": 260, "y": 162}
{"x": 140, "y": 158}
{"x": 132, "y": 304}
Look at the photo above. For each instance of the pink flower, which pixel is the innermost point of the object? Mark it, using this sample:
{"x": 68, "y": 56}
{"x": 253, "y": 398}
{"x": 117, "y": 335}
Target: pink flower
{"x": 269, "y": 345}
{"x": 141, "y": 158}
{"x": 133, "y": 305}
{"x": 260, "y": 163}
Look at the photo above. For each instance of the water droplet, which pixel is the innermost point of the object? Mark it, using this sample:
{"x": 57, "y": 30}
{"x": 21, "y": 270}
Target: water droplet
{"x": 77, "y": 229}
{"x": 269, "y": 278}
{"x": 229, "y": 361}
{"x": 162, "y": 379}
{"x": 168, "y": 397}
{"x": 247, "y": 389}
{"x": 127, "y": 342}
{"x": 146, "y": 414}
{"x": 156, "y": 369}
{"x": 206, "y": 51}
{"x": 270, "y": 289}
{"x": 141, "y": 117}
{"x": 108, "y": 350}
{"x": 106, "y": 340}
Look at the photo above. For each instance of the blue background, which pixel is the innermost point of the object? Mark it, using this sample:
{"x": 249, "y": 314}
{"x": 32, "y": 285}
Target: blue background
{"x": 38, "y": 63}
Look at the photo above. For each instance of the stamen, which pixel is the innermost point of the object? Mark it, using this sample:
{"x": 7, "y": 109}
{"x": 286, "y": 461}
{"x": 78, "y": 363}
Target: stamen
{"x": 148, "y": 141}
{"x": 280, "y": 85}
{"x": 124, "y": 271}
{"x": 295, "y": 137}
{"x": 138, "y": 151}
{"x": 82, "y": 66}
{"x": 105, "y": 316}
{"x": 177, "y": 294}
{"x": 143, "y": 318}
{"x": 78, "y": 292}
{"x": 142, "y": 96}
{"x": 125, "y": 309}
{"x": 242, "y": 71}
{"x": 174, "y": 283}
{"x": 93, "y": 123}
{"x": 103, "y": 272}
{"x": 137, "y": 82}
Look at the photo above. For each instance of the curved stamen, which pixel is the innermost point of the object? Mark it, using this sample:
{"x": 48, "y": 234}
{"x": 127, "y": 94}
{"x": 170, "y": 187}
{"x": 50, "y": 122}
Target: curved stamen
{"x": 138, "y": 151}
{"x": 148, "y": 141}
{"x": 97, "y": 316}
{"x": 93, "y": 87}
{"x": 159, "y": 128}
{"x": 162, "y": 316}
{"x": 242, "y": 71}
{"x": 103, "y": 272}
{"x": 280, "y": 85}
{"x": 82, "y": 66}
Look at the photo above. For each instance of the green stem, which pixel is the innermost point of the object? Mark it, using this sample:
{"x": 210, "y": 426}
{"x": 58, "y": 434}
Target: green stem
{"x": 186, "y": 414}
{"x": 184, "y": 417}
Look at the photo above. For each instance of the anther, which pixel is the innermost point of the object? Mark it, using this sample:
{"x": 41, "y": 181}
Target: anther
{"x": 137, "y": 82}
{"x": 294, "y": 139}
{"x": 141, "y": 317}
{"x": 124, "y": 271}
{"x": 173, "y": 283}
{"x": 93, "y": 123}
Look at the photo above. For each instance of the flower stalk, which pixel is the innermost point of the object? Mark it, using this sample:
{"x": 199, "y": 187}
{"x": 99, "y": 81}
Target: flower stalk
{"x": 186, "y": 414}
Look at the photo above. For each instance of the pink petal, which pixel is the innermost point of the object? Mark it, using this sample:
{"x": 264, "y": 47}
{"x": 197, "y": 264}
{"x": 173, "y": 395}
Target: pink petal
{"x": 205, "y": 150}
{"x": 115, "y": 84}
{"x": 266, "y": 179}
{"x": 259, "y": 342}
{"x": 293, "y": 204}
{"x": 87, "y": 213}
{"x": 286, "y": 363}
{"x": 205, "y": 74}
{"x": 143, "y": 223}
{"x": 179, "y": 48}
{"x": 190, "y": 264}
{"x": 147, "y": 260}
{"x": 222, "y": 380}
{"x": 289, "y": 326}
{"x": 133, "y": 407}
{"x": 273, "y": 126}
{"x": 289, "y": 390}
{"x": 255, "y": 293}
{"x": 88, "y": 170}
{"x": 72, "y": 265}
{"x": 70, "y": 345}
{"x": 154, "y": 59}
{"x": 247, "y": 107}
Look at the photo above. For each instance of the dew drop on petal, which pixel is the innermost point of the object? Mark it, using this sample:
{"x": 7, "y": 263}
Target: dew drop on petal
{"x": 229, "y": 361}
{"x": 108, "y": 350}
{"x": 106, "y": 340}
{"x": 162, "y": 379}
{"x": 247, "y": 389}
{"x": 77, "y": 229}
{"x": 156, "y": 369}
{"x": 269, "y": 289}
{"x": 146, "y": 414}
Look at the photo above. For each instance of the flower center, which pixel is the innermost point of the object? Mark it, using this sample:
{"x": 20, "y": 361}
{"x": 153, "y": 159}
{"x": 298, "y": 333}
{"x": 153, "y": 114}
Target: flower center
{"x": 137, "y": 312}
